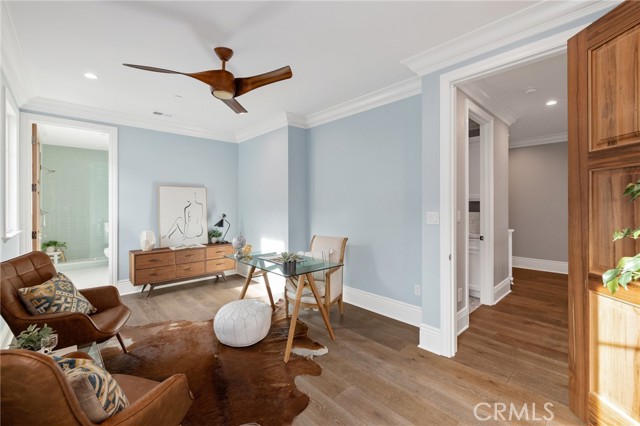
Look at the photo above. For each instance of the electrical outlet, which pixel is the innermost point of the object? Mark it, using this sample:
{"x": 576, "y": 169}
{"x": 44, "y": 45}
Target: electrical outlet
{"x": 459, "y": 294}
{"x": 416, "y": 290}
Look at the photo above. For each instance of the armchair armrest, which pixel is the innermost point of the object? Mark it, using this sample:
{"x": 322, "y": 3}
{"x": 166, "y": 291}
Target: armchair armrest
{"x": 102, "y": 298}
{"x": 164, "y": 405}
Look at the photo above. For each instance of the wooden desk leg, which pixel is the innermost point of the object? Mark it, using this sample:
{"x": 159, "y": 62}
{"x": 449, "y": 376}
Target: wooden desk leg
{"x": 321, "y": 307}
{"x": 247, "y": 282}
{"x": 294, "y": 318}
{"x": 266, "y": 282}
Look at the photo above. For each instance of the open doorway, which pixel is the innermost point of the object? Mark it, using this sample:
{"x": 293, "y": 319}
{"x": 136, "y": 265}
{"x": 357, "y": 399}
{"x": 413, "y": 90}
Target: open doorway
{"x": 74, "y": 203}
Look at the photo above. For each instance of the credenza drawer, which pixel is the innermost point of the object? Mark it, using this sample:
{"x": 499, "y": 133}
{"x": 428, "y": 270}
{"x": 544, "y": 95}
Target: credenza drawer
{"x": 220, "y": 265}
{"x": 153, "y": 260}
{"x": 155, "y": 275}
{"x": 189, "y": 269}
{"x": 218, "y": 252}
{"x": 189, "y": 255}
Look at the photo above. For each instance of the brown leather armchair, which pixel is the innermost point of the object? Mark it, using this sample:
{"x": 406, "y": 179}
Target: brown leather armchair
{"x": 73, "y": 328}
{"x": 35, "y": 391}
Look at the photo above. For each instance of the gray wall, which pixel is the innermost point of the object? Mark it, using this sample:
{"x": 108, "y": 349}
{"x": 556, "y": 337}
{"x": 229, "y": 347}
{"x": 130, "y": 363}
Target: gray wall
{"x": 538, "y": 201}
{"x": 364, "y": 183}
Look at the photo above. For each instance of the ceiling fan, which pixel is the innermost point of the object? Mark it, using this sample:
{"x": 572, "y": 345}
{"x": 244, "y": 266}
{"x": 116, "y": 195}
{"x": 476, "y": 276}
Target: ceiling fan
{"x": 223, "y": 84}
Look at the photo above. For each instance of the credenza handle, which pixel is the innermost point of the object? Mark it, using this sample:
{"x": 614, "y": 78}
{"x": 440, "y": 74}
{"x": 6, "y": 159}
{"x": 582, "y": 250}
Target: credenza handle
{"x": 154, "y": 260}
{"x": 153, "y": 275}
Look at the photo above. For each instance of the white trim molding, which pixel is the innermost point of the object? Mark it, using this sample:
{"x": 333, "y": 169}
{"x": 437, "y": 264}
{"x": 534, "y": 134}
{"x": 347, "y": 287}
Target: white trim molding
{"x": 396, "y": 92}
{"x": 539, "y": 140}
{"x": 430, "y": 339}
{"x": 75, "y": 111}
{"x": 462, "y": 319}
{"x": 494, "y": 106}
{"x": 535, "y": 19}
{"x": 501, "y": 290}
{"x": 541, "y": 265}
{"x": 400, "y": 311}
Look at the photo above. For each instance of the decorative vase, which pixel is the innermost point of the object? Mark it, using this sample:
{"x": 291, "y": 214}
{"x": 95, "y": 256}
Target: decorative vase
{"x": 50, "y": 249}
{"x": 289, "y": 268}
{"x": 239, "y": 242}
{"x": 214, "y": 240}
{"x": 147, "y": 240}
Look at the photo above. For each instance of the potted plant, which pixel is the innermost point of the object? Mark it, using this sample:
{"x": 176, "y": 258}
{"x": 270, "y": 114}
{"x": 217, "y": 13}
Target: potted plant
{"x": 31, "y": 338}
{"x": 214, "y": 234}
{"x": 53, "y": 245}
{"x": 628, "y": 267}
{"x": 289, "y": 262}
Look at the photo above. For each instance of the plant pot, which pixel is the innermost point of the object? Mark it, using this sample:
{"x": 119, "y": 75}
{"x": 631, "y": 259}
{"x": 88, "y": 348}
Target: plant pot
{"x": 50, "y": 249}
{"x": 214, "y": 240}
{"x": 289, "y": 268}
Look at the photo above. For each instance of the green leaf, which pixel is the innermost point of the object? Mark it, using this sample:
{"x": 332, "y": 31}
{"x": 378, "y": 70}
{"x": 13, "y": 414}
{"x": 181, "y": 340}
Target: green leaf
{"x": 618, "y": 235}
{"x": 632, "y": 264}
{"x": 636, "y": 234}
{"x": 609, "y": 275}
{"x": 612, "y": 285}
{"x": 625, "y": 279}
{"x": 632, "y": 190}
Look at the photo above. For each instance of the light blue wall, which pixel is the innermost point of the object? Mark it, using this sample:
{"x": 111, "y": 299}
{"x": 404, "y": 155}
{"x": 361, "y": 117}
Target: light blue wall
{"x": 299, "y": 237}
{"x": 148, "y": 159}
{"x": 364, "y": 183}
{"x": 263, "y": 190}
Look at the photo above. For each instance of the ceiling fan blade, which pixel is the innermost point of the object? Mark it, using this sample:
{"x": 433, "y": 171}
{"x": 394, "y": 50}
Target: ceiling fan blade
{"x": 247, "y": 84}
{"x": 234, "y": 105}
{"x": 154, "y": 69}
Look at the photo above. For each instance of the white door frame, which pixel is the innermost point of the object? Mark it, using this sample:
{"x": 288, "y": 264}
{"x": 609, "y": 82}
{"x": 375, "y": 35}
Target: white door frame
{"x": 485, "y": 120}
{"x": 448, "y": 82}
{"x": 26, "y": 120}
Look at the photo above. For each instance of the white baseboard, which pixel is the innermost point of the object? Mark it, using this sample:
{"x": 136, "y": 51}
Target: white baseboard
{"x": 501, "y": 290}
{"x": 430, "y": 339}
{"x": 125, "y": 287}
{"x": 403, "y": 312}
{"x": 462, "y": 319}
{"x": 474, "y": 293}
{"x": 541, "y": 265}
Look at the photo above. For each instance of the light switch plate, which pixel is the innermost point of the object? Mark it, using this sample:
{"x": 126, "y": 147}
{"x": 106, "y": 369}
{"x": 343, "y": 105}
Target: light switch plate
{"x": 433, "y": 218}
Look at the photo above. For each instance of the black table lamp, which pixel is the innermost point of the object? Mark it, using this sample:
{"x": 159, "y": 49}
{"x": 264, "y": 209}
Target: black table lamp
{"x": 220, "y": 224}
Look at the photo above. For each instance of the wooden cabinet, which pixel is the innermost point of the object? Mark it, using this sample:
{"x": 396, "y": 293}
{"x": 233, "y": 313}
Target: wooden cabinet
{"x": 164, "y": 266}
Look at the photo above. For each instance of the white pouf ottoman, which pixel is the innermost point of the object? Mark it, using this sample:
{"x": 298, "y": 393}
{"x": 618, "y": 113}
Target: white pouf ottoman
{"x": 242, "y": 323}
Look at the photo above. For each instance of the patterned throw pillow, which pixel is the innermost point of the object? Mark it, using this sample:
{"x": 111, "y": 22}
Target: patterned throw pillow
{"x": 107, "y": 391}
{"x": 56, "y": 295}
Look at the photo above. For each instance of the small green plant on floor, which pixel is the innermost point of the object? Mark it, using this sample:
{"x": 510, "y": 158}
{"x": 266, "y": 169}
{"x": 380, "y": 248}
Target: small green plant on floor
{"x": 55, "y": 244}
{"x": 31, "y": 337}
{"x": 628, "y": 268}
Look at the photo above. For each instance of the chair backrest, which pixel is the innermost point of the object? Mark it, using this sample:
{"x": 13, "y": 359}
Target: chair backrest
{"x": 35, "y": 391}
{"x": 24, "y": 271}
{"x": 338, "y": 245}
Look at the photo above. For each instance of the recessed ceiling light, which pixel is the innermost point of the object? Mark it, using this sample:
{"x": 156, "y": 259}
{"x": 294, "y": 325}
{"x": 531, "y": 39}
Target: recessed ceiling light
{"x": 530, "y": 90}
{"x": 90, "y": 76}
{"x": 551, "y": 102}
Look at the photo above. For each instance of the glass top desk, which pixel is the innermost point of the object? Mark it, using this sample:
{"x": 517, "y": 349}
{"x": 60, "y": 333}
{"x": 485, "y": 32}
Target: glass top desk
{"x": 268, "y": 262}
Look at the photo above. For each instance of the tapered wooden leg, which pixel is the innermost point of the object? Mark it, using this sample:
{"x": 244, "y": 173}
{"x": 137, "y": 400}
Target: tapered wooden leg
{"x": 321, "y": 307}
{"x": 150, "y": 290}
{"x": 266, "y": 282}
{"x": 286, "y": 302}
{"x": 294, "y": 319}
{"x": 247, "y": 282}
{"x": 341, "y": 305}
{"x": 124, "y": 348}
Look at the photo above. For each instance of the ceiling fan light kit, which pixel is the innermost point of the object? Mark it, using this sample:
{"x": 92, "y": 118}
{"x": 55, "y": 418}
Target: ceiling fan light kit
{"x": 223, "y": 84}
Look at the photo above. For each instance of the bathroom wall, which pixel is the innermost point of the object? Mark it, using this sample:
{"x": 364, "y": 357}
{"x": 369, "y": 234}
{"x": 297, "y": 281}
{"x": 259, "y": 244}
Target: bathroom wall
{"x": 75, "y": 197}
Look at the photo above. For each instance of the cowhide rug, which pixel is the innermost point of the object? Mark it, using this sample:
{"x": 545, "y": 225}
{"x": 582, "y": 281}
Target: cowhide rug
{"x": 232, "y": 386}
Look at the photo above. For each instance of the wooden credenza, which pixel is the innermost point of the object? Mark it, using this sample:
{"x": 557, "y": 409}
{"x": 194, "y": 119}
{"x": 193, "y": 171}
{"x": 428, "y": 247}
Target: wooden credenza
{"x": 166, "y": 266}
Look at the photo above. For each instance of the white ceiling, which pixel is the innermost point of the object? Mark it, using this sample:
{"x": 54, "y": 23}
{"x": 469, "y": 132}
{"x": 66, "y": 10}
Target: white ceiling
{"x": 73, "y": 138}
{"x": 338, "y": 51}
{"x": 534, "y": 121}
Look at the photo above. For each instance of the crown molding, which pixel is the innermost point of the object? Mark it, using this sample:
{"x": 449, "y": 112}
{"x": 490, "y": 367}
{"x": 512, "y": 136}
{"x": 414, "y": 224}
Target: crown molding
{"x": 393, "y": 93}
{"x": 477, "y": 92}
{"x": 539, "y": 140}
{"x": 535, "y": 19}
{"x": 49, "y": 106}
{"x": 11, "y": 59}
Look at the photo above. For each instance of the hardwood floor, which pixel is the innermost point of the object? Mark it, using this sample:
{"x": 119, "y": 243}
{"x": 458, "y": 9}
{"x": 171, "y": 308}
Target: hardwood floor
{"x": 512, "y": 358}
